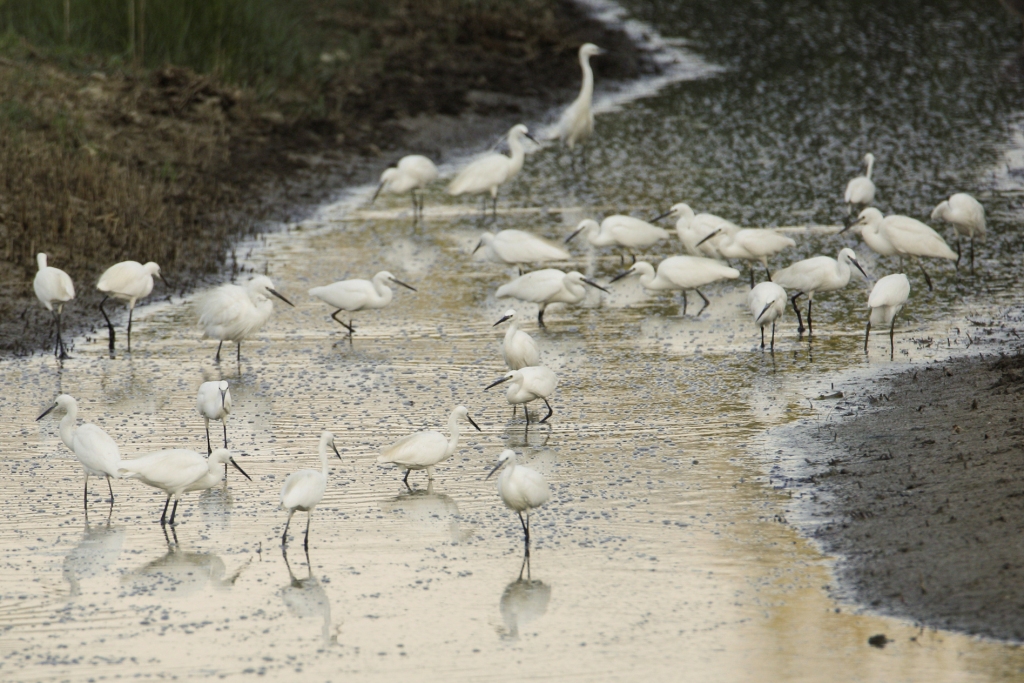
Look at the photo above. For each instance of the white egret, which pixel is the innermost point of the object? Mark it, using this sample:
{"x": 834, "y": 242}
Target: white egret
{"x": 213, "y": 476}
{"x": 905, "y": 236}
{"x": 967, "y": 216}
{"x": 517, "y": 246}
{"x": 886, "y": 301}
{"x": 529, "y": 384}
{"x": 620, "y": 231}
{"x": 358, "y": 295}
{"x": 518, "y": 348}
{"x": 693, "y": 229}
{"x": 303, "y": 490}
{"x": 128, "y": 281}
{"x": 53, "y": 288}
{"x": 423, "y": 450}
{"x": 236, "y": 312}
{"x": 750, "y": 244}
{"x": 173, "y": 471}
{"x": 493, "y": 170}
{"x": 860, "y": 191}
{"x": 577, "y": 121}
{"x": 413, "y": 172}
{"x": 817, "y": 274}
{"x": 767, "y": 302}
{"x": 214, "y": 403}
{"x": 681, "y": 273}
{"x": 548, "y": 286}
{"x": 93, "y": 447}
{"x": 521, "y": 489}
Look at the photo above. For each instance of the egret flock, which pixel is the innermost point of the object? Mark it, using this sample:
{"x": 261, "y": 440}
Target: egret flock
{"x": 234, "y": 313}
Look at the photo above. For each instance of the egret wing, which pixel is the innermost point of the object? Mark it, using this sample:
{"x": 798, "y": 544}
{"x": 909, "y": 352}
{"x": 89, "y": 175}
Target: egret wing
{"x": 303, "y": 489}
{"x": 348, "y": 295}
{"x": 517, "y": 246}
{"x": 222, "y": 308}
{"x": 540, "y": 285}
{"x": 481, "y": 175}
{"x": 96, "y": 450}
{"x": 420, "y": 449}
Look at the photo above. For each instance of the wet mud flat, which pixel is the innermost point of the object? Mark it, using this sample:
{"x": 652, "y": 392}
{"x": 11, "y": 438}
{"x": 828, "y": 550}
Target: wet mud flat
{"x": 921, "y": 491}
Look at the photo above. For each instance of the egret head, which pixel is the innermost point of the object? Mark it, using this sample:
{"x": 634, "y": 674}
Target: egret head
{"x": 869, "y": 217}
{"x": 503, "y": 457}
{"x": 385, "y": 276}
{"x": 938, "y": 214}
{"x": 221, "y": 456}
{"x": 585, "y": 225}
{"x": 578, "y": 278}
{"x": 764, "y": 310}
{"x": 327, "y": 439}
{"x": 588, "y": 50}
{"x": 154, "y": 270}
{"x": 385, "y": 178}
{"x": 261, "y": 284}
{"x": 63, "y": 402}
{"x": 510, "y": 314}
{"x": 508, "y": 375}
{"x": 678, "y": 212}
{"x": 850, "y": 256}
{"x": 463, "y": 411}
{"x": 869, "y": 159}
{"x": 520, "y": 129}
{"x": 485, "y": 238}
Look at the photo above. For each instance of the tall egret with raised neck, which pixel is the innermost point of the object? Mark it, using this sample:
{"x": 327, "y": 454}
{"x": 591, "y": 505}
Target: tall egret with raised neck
{"x": 576, "y": 124}
{"x": 904, "y": 236}
{"x": 681, "y": 273}
{"x": 693, "y": 229}
{"x": 518, "y": 246}
{"x": 128, "y": 281}
{"x": 528, "y": 384}
{"x": 517, "y": 348}
{"x": 411, "y": 173}
{"x": 630, "y": 233}
{"x": 234, "y": 313}
{"x": 53, "y": 288}
{"x": 424, "y": 450}
{"x": 521, "y": 489}
{"x": 493, "y": 170}
{"x": 304, "y": 489}
{"x": 214, "y": 403}
{"x": 967, "y": 216}
{"x": 860, "y": 191}
{"x": 817, "y": 274}
{"x": 750, "y": 244}
{"x": 358, "y": 295}
{"x": 548, "y": 286}
{"x": 767, "y": 302}
{"x": 95, "y": 450}
{"x": 886, "y": 300}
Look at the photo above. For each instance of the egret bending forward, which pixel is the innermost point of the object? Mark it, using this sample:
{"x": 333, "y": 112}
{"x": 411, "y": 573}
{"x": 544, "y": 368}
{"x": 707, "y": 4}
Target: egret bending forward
{"x": 967, "y": 216}
{"x": 693, "y": 229}
{"x": 750, "y": 244}
{"x": 490, "y": 172}
{"x": 817, "y": 274}
{"x": 304, "y": 489}
{"x": 413, "y": 172}
{"x": 548, "y": 286}
{"x": 767, "y": 303}
{"x": 53, "y": 288}
{"x": 904, "y": 236}
{"x": 517, "y": 246}
{"x": 358, "y": 295}
{"x": 234, "y": 312}
{"x": 128, "y": 281}
{"x": 886, "y": 301}
{"x": 681, "y": 273}
{"x": 423, "y": 450}
{"x": 214, "y": 403}
{"x": 93, "y": 447}
{"x": 529, "y": 384}
{"x": 630, "y": 233}
{"x": 521, "y": 489}
{"x": 517, "y": 348}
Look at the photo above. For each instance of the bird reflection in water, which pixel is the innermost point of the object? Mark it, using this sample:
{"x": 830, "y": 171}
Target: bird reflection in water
{"x": 95, "y": 553}
{"x": 307, "y": 598}
{"x": 429, "y": 509}
{"x": 523, "y": 601}
{"x": 181, "y": 573}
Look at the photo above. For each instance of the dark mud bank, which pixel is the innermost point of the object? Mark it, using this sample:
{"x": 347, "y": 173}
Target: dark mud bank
{"x": 921, "y": 495}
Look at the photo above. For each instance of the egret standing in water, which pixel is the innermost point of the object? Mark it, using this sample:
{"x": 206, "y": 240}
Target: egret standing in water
{"x": 493, "y": 170}
{"x": 860, "y": 191}
{"x": 967, "y": 216}
{"x": 548, "y": 286}
{"x": 413, "y": 172}
{"x": 423, "y": 450}
{"x": 621, "y": 231}
{"x": 53, "y": 288}
{"x": 128, "y": 281}
{"x": 518, "y": 348}
{"x": 235, "y": 312}
{"x": 93, "y": 447}
{"x": 213, "y": 476}
{"x": 358, "y": 295}
{"x": 904, "y": 236}
{"x": 886, "y": 301}
{"x": 529, "y": 384}
{"x": 694, "y": 229}
{"x": 521, "y": 489}
{"x": 517, "y": 246}
{"x": 681, "y": 273}
{"x": 577, "y": 122}
{"x": 767, "y": 302}
{"x": 817, "y": 274}
{"x": 750, "y": 244}
{"x": 304, "y": 489}
{"x": 214, "y": 403}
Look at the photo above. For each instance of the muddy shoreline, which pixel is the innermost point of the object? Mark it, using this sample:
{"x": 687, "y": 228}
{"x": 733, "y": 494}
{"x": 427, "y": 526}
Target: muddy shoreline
{"x": 920, "y": 494}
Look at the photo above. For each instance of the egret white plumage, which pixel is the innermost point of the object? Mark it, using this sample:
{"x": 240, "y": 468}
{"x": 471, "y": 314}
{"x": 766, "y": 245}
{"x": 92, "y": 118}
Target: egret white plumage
{"x": 53, "y": 288}
{"x": 493, "y": 170}
{"x": 548, "y": 286}
{"x": 528, "y": 384}
{"x": 214, "y": 403}
{"x": 577, "y": 121}
{"x": 518, "y": 246}
{"x": 693, "y": 229}
{"x": 95, "y": 450}
{"x": 904, "y": 236}
{"x": 304, "y": 489}
{"x": 172, "y": 471}
{"x": 620, "y": 231}
{"x": 234, "y": 313}
{"x": 886, "y": 300}
{"x": 424, "y": 450}
{"x": 358, "y": 295}
{"x": 767, "y": 302}
{"x": 817, "y": 274}
{"x": 521, "y": 489}
{"x": 213, "y": 476}
{"x": 681, "y": 273}
{"x": 518, "y": 348}
{"x": 967, "y": 216}
{"x": 128, "y": 281}
{"x": 413, "y": 172}
{"x": 860, "y": 191}
{"x": 750, "y": 244}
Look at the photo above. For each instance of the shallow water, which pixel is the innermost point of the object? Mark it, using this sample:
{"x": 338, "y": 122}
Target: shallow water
{"x": 665, "y": 551}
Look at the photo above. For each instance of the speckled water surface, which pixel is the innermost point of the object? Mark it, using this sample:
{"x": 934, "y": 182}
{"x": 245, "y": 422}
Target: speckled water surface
{"x": 665, "y": 552}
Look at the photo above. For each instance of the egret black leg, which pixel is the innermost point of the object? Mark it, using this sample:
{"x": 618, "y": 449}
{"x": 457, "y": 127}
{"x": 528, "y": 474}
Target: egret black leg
{"x": 131, "y": 309}
{"x": 163, "y": 516}
{"x": 85, "y": 493}
{"x": 309, "y": 517}
{"x": 767, "y": 272}
{"x": 405, "y": 480}
{"x": 751, "y": 275}
{"x": 174, "y": 511}
{"x": 957, "y": 251}
{"x": 238, "y": 352}
{"x": 334, "y": 316}
{"x": 209, "y": 449}
{"x": 217, "y": 357}
{"x": 866, "y": 333}
{"x": 810, "y": 325}
{"x": 551, "y": 411}
{"x": 799, "y": 320}
{"x": 706, "y": 302}
{"x": 972, "y": 254}
{"x": 684, "y": 302}
{"x": 110, "y": 325}
{"x": 773, "y": 336}
{"x": 540, "y": 315}
{"x": 762, "y": 337}
{"x": 925, "y": 273}
{"x": 225, "y": 424}
{"x": 284, "y": 536}
{"x": 526, "y": 411}
{"x": 526, "y": 531}
{"x": 892, "y": 339}
{"x": 111, "y": 489}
